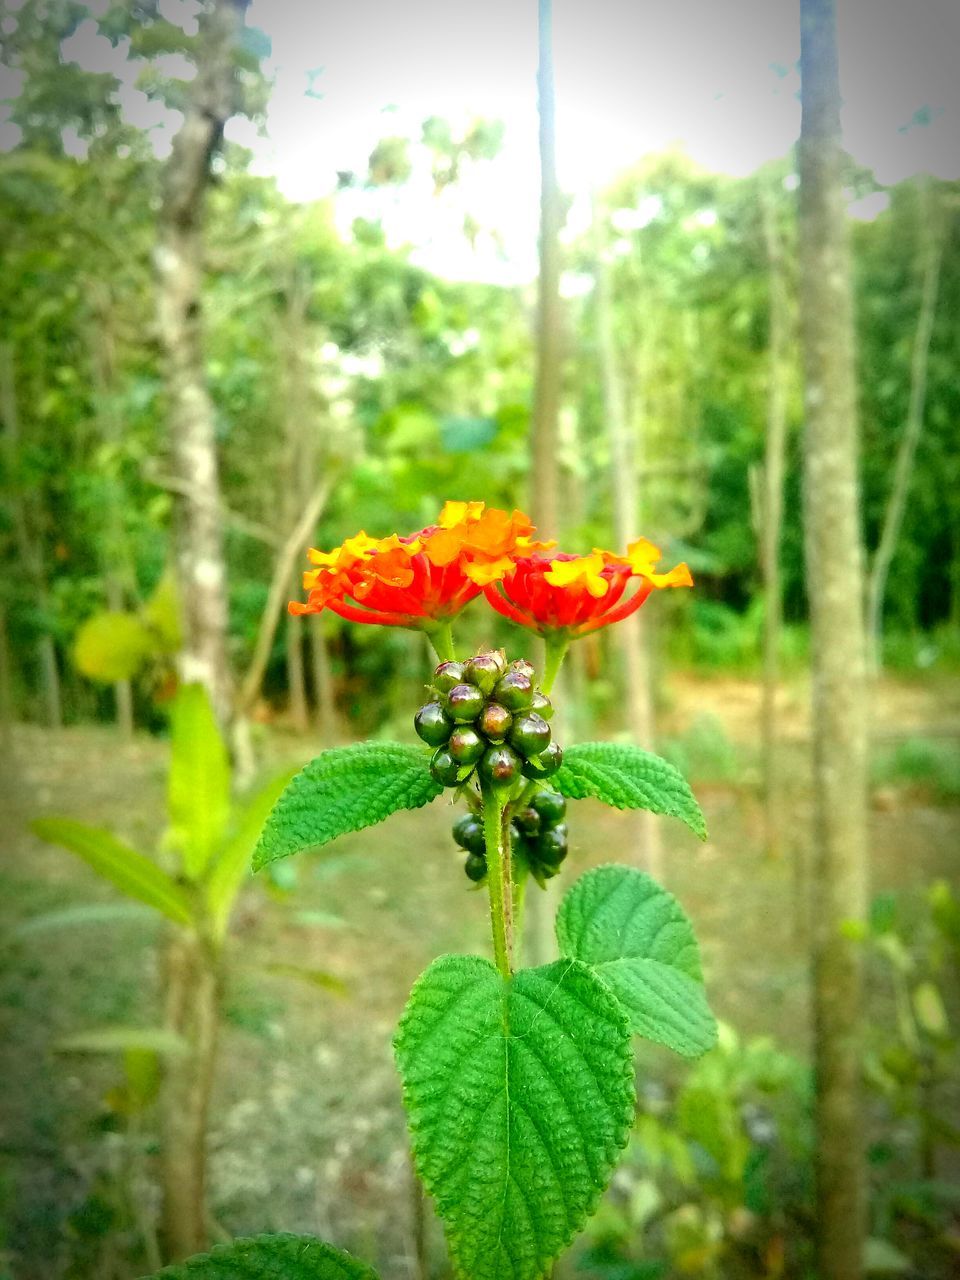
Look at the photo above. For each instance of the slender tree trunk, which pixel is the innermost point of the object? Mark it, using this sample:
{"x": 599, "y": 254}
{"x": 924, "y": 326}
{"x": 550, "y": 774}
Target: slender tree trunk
{"x": 544, "y": 469}
{"x": 326, "y": 712}
{"x": 632, "y": 634}
{"x": 27, "y": 536}
{"x": 201, "y": 575}
{"x": 771, "y": 515}
{"x": 931, "y": 251}
{"x": 201, "y": 569}
{"x": 298, "y": 478}
{"x": 113, "y": 559}
{"x": 192, "y": 989}
{"x": 546, "y": 400}
{"x": 835, "y": 574}
{"x": 6, "y": 688}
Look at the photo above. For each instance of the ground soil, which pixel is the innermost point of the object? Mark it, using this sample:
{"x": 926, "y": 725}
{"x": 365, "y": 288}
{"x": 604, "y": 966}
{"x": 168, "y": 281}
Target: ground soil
{"x": 308, "y": 1134}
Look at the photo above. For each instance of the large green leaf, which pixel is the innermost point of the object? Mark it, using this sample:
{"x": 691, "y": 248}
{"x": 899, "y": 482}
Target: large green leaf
{"x": 342, "y": 790}
{"x": 520, "y": 1097}
{"x": 279, "y": 1257}
{"x": 198, "y": 789}
{"x": 233, "y": 862}
{"x": 635, "y": 936}
{"x": 129, "y": 871}
{"x": 628, "y": 778}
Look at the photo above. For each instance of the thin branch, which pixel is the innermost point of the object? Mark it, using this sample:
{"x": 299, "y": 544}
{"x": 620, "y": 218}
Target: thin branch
{"x": 283, "y": 567}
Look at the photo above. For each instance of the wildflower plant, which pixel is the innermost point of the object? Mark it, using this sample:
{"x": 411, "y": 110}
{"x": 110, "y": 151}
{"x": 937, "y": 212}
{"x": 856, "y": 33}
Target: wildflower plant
{"x": 518, "y": 1082}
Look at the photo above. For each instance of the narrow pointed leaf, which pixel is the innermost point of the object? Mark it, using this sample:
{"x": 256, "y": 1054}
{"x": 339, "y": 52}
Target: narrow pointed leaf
{"x": 274, "y": 1257}
{"x": 636, "y": 938}
{"x": 233, "y": 863}
{"x": 626, "y": 777}
{"x": 342, "y": 790}
{"x": 520, "y": 1098}
{"x": 125, "y": 1040}
{"x": 94, "y": 913}
{"x": 127, "y": 870}
{"x": 198, "y": 788}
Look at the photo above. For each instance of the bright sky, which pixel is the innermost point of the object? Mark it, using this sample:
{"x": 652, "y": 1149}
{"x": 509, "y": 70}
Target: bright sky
{"x": 717, "y": 76}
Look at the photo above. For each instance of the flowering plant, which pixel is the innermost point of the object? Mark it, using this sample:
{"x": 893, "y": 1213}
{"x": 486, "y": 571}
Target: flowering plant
{"x": 518, "y": 1082}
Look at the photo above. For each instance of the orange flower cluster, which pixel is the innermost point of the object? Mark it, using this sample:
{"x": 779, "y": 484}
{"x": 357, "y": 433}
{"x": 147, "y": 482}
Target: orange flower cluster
{"x": 421, "y": 579}
{"x": 424, "y": 579}
{"x": 578, "y": 594}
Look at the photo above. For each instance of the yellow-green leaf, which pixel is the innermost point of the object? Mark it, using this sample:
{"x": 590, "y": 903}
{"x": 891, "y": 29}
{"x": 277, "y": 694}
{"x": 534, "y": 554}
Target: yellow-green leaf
{"x": 199, "y": 782}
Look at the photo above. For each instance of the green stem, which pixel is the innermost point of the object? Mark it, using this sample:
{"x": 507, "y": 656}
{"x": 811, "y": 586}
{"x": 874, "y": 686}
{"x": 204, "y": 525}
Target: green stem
{"x": 556, "y": 644}
{"x": 441, "y": 637}
{"x": 499, "y": 877}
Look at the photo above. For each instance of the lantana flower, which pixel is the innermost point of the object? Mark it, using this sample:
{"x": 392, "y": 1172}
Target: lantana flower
{"x": 569, "y": 596}
{"x": 423, "y": 579}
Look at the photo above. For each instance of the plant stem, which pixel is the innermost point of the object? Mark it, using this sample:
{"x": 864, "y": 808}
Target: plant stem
{"x": 499, "y": 878}
{"x": 441, "y": 638}
{"x": 555, "y": 646}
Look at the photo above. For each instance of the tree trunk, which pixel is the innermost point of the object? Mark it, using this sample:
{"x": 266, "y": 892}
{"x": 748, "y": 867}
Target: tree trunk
{"x": 296, "y": 671}
{"x": 834, "y": 572}
{"x": 201, "y": 570}
{"x": 297, "y": 478}
{"x": 326, "y": 711}
{"x": 112, "y": 557}
{"x": 632, "y": 634}
{"x": 930, "y": 237}
{"x": 27, "y": 535}
{"x": 192, "y": 992}
{"x": 771, "y": 515}
{"x": 546, "y": 401}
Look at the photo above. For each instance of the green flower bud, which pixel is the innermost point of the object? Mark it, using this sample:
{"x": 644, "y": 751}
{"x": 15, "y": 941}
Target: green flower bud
{"x": 484, "y": 671}
{"x": 447, "y": 771}
{"x": 463, "y": 703}
{"x": 500, "y": 766}
{"x": 550, "y": 805}
{"x": 475, "y": 867}
{"x": 466, "y": 745}
{"x": 524, "y": 667}
{"x": 552, "y": 846}
{"x": 514, "y": 691}
{"x": 530, "y": 734}
{"x": 468, "y": 834}
{"x": 447, "y": 675}
{"x": 495, "y": 722}
{"x": 545, "y": 764}
{"x": 542, "y": 705}
{"x": 432, "y": 724}
{"x": 528, "y": 821}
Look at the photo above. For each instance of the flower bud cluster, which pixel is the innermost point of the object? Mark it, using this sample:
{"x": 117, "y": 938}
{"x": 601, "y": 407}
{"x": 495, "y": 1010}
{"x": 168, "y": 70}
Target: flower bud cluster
{"x": 488, "y": 717}
{"x": 538, "y": 834}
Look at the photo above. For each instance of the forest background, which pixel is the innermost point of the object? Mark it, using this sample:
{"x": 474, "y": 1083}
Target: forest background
{"x": 353, "y": 386}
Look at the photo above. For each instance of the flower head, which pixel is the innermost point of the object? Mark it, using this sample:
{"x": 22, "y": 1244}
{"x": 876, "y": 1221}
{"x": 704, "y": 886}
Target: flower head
{"x": 421, "y": 579}
{"x": 574, "y": 595}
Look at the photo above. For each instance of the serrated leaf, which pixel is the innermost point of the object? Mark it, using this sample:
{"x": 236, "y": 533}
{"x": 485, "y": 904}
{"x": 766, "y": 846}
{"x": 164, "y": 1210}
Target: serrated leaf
{"x": 345, "y": 789}
{"x": 198, "y": 788}
{"x": 520, "y": 1098}
{"x": 232, "y": 864}
{"x": 636, "y": 938}
{"x": 274, "y": 1257}
{"x": 127, "y": 870}
{"x": 622, "y": 775}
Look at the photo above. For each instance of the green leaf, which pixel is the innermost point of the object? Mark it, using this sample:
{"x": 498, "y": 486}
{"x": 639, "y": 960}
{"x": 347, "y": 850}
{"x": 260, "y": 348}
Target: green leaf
{"x": 125, "y": 1040}
{"x": 84, "y": 914}
{"x": 342, "y": 790}
{"x": 279, "y": 1257}
{"x": 233, "y": 863}
{"x": 198, "y": 792}
{"x": 636, "y": 938}
{"x": 520, "y": 1098}
{"x": 314, "y": 977}
{"x": 127, "y": 870}
{"x": 627, "y": 778}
